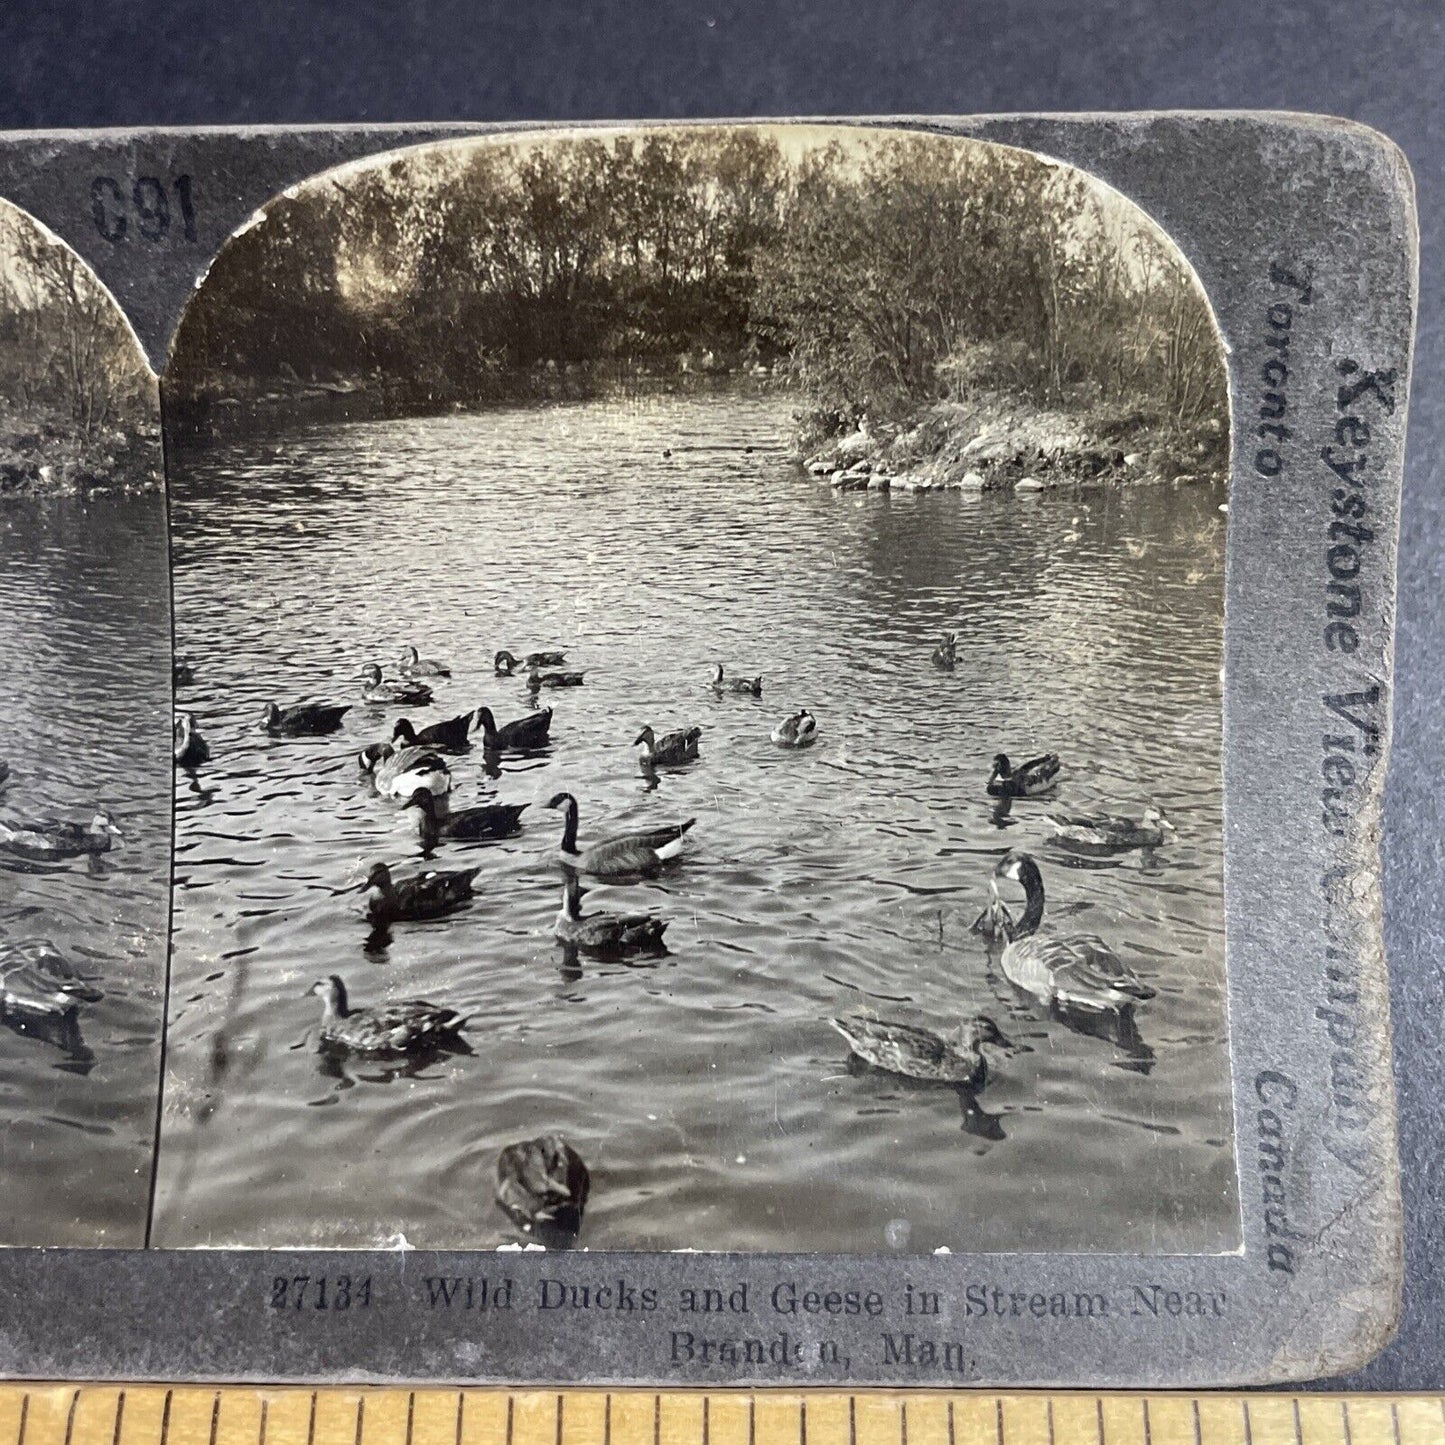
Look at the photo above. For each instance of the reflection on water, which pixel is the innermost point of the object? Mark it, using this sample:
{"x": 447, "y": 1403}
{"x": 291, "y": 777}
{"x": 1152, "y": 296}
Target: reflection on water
{"x": 85, "y": 633}
{"x": 705, "y": 1089}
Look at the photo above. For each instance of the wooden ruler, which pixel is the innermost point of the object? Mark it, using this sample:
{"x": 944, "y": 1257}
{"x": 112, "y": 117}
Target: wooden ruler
{"x": 245, "y": 1415}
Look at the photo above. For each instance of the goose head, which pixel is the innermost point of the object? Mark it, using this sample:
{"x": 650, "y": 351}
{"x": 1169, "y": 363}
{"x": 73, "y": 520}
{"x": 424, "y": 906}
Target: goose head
{"x": 410, "y": 657}
{"x": 1002, "y": 768}
{"x": 1013, "y": 865}
{"x": 377, "y": 883}
{"x": 403, "y": 732}
{"x": 645, "y": 736}
{"x": 372, "y": 754}
{"x": 503, "y": 663}
{"x": 717, "y": 674}
{"x": 270, "y": 714}
{"x": 561, "y": 800}
{"x": 371, "y": 675}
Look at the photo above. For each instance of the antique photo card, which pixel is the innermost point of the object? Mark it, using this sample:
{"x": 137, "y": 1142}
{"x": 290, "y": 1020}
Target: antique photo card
{"x": 776, "y": 732}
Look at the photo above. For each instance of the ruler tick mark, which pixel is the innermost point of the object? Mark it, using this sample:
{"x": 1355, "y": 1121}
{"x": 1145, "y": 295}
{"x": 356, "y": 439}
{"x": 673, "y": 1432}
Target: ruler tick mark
{"x": 1248, "y": 1423}
{"x": 119, "y": 1416}
{"x": 1049, "y": 1414}
{"x": 852, "y": 1420}
{"x": 215, "y": 1415}
{"x": 802, "y": 1423}
{"x": 752, "y": 1420}
{"x": 261, "y": 1434}
{"x": 166, "y": 1418}
{"x": 706, "y": 1420}
{"x": 311, "y": 1423}
{"x": 70, "y": 1418}
{"x": 561, "y": 1405}
{"x": 360, "y": 1417}
{"x": 1099, "y": 1417}
{"x": 902, "y": 1421}
{"x": 509, "y": 1418}
{"x": 606, "y": 1419}
{"x": 1194, "y": 1412}
{"x": 410, "y": 1413}
{"x": 1298, "y": 1435}
{"x": 998, "y": 1419}
{"x": 1345, "y": 1419}
{"x": 1148, "y": 1423}
{"x": 461, "y": 1413}
{"x": 656, "y": 1421}
{"x": 1395, "y": 1419}
{"x": 951, "y": 1440}
{"x": 24, "y": 1417}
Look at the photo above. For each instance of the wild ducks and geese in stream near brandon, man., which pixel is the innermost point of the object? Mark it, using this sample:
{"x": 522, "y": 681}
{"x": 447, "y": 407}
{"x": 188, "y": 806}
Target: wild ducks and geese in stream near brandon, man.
{"x": 380, "y": 692}
{"x": 1109, "y": 832}
{"x": 399, "y": 772}
{"x": 303, "y": 719}
{"x": 188, "y": 746}
{"x": 1027, "y": 780}
{"x": 413, "y": 664}
{"x": 453, "y": 735}
{"x": 423, "y": 895}
{"x": 1068, "y": 970}
{"x": 635, "y": 855}
{"x": 57, "y": 840}
{"x": 748, "y": 686}
{"x": 606, "y": 935}
{"x": 484, "y": 823}
{"x": 919, "y": 1053}
{"x": 671, "y": 750}
{"x": 37, "y": 981}
{"x": 798, "y": 731}
{"x": 524, "y": 732}
{"x": 504, "y": 663}
{"x": 945, "y": 655}
{"x": 389, "y": 1030}
{"x": 542, "y": 1187}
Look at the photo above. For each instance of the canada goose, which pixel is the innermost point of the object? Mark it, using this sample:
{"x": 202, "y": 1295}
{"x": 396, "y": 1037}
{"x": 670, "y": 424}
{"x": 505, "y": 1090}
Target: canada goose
{"x": 1072, "y": 970}
{"x": 637, "y": 855}
{"x": 798, "y": 731}
{"x": 607, "y": 935}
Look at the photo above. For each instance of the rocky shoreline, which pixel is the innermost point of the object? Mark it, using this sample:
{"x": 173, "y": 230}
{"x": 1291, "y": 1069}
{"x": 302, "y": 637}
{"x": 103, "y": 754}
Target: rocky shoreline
{"x": 996, "y": 447}
{"x": 43, "y": 464}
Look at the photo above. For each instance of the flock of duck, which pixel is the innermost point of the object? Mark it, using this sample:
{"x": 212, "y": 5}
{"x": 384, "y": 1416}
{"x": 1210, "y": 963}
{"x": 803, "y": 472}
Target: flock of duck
{"x": 542, "y": 1184}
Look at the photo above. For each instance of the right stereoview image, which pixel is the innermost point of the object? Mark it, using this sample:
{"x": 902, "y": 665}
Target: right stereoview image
{"x": 699, "y": 707}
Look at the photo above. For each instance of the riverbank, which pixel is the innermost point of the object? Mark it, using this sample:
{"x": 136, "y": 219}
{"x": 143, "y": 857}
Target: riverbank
{"x": 994, "y": 443}
{"x": 48, "y": 458}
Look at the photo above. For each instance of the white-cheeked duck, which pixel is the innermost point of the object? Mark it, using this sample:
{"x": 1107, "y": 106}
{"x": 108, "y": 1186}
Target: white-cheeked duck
{"x": 399, "y": 772}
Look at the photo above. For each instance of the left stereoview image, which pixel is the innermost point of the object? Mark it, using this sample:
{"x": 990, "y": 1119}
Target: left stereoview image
{"x": 84, "y": 752}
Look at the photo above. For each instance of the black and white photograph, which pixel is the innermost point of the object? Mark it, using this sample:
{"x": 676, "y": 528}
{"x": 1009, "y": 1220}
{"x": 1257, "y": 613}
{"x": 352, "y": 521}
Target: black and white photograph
{"x": 84, "y": 736}
{"x": 699, "y": 707}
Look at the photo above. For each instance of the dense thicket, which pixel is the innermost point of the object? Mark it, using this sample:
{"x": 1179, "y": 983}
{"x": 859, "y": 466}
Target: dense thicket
{"x": 76, "y": 397}
{"x": 878, "y": 273}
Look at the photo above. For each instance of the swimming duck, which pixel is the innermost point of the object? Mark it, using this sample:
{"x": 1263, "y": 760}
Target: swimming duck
{"x": 182, "y": 673}
{"x": 798, "y": 731}
{"x": 413, "y": 664}
{"x": 52, "y": 841}
{"x": 399, "y": 772}
{"x": 424, "y": 895}
{"x": 752, "y": 686}
{"x": 36, "y": 980}
{"x": 670, "y": 750}
{"x": 542, "y": 1186}
{"x": 190, "y": 748}
{"x": 4, "y": 771}
{"x": 376, "y": 690}
{"x": 1072, "y": 970}
{"x": 523, "y": 732}
{"x": 408, "y": 1026}
{"x": 1027, "y": 780}
{"x": 451, "y": 734}
{"x": 536, "y": 679}
{"x": 302, "y": 719}
{"x": 467, "y": 825}
{"x": 504, "y": 663}
{"x": 627, "y": 856}
{"x": 945, "y": 654}
{"x": 919, "y": 1053}
{"x": 608, "y": 935}
{"x": 1108, "y": 833}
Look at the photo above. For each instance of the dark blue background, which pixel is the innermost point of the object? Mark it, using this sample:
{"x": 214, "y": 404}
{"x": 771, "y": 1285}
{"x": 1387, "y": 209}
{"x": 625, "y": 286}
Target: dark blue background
{"x": 72, "y": 64}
